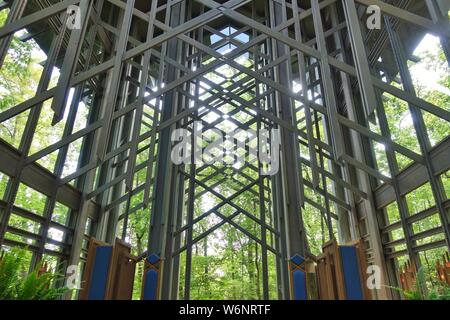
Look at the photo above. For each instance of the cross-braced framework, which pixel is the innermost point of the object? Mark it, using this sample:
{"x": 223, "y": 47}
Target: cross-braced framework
{"x": 111, "y": 91}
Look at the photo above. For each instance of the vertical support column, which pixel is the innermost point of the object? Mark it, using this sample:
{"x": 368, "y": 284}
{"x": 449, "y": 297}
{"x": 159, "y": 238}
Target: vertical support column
{"x": 86, "y": 184}
{"x": 177, "y": 182}
{"x": 347, "y": 224}
{"x": 292, "y": 188}
{"x": 362, "y": 179}
{"x": 115, "y": 91}
{"x": 180, "y": 208}
{"x": 165, "y": 189}
{"x": 112, "y": 89}
{"x": 359, "y": 52}
{"x": 145, "y": 63}
{"x": 304, "y": 89}
{"x": 175, "y": 267}
{"x": 280, "y": 245}
{"x": 366, "y": 205}
{"x": 277, "y": 193}
{"x": 191, "y": 184}
{"x": 328, "y": 87}
{"x": 261, "y": 179}
{"x": 263, "y": 229}
{"x": 123, "y": 132}
{"x": 291, "y": 195}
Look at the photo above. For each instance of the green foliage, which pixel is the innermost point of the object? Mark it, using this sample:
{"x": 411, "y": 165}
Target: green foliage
{"x": 418, "y": 291}
{"x": 16, "y": 284}
{"x": 439, "y": 291}
{"x": 10, "y": 265}
{"x": 19, "y": 76}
